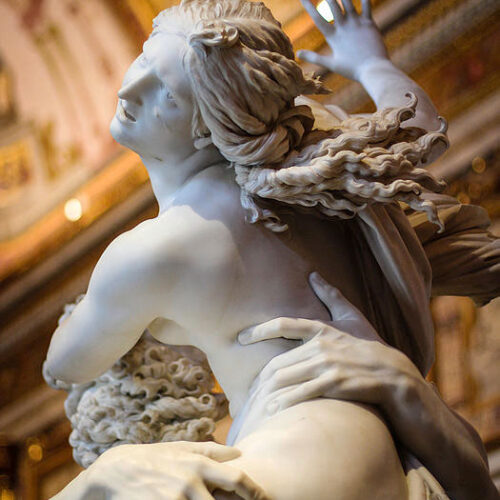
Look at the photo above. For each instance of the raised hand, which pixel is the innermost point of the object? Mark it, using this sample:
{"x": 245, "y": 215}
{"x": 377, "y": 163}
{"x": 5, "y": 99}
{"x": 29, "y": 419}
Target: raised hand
{"x": 163, "y": 471}
{"x": 354, "y": 38}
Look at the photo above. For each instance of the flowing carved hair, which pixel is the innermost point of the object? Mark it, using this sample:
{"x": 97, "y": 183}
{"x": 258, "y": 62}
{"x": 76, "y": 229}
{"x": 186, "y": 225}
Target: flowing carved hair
{"x": 151, "y": 395}
{"x": 245, "y": 80}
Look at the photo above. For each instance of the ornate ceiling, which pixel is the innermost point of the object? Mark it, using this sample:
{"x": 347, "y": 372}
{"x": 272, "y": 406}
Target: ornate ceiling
{"x": 62, "y": 61}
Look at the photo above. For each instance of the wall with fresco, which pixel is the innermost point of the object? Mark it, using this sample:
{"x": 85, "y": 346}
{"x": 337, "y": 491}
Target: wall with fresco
{"x": 61, "y": 63}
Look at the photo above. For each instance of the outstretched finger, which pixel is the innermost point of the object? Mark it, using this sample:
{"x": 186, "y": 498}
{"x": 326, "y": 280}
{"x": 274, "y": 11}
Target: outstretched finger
{"x": 323, "y": 25}
{"x": 314, "y": 58}
{"x": 288, "y": 328}
{"x": 289, "y": 358}
{"x": 367, "y": 9}
{"x": 361, "y": 389}
{"x": 340, "y": 308}
{"x": 338, "y": 15}
{"x": 289, "y": 376}
{"x": 348, "y": 7}
{"x": 305, "y": 391}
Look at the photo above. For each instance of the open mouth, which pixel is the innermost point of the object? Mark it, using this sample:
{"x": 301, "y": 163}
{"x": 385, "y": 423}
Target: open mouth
{"x": 124, "y": 114}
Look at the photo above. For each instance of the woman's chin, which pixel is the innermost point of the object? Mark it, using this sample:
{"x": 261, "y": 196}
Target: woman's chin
{"x": 120, "y": 134}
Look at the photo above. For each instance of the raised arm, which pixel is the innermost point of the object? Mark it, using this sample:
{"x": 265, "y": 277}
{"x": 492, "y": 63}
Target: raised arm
{"x": 359, "y": 53}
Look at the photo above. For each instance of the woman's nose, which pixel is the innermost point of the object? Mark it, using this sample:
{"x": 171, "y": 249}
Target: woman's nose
{"x": 131, "y": 91}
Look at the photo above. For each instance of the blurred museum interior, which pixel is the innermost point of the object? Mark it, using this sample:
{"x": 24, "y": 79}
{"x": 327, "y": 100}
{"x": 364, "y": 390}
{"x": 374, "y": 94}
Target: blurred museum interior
{"x": 67, "y": 189}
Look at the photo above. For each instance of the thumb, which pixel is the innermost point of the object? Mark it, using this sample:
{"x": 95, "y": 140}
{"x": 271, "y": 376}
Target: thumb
{"x": 214, "y": 451}
{"x": 340, "y": 308}
{"x": 314, "y": 58}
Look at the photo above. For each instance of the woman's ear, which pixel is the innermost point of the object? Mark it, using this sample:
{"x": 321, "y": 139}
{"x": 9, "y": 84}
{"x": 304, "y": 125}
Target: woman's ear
{"x": 202, "y": 142}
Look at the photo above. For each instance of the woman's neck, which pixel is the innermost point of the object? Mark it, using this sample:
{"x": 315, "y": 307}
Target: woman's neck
{"x": 169, "y": 175}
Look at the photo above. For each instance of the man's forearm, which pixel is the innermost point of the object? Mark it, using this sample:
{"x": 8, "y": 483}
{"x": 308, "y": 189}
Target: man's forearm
{"x": 387, "y": 86}
{"x": 451, "y": 450}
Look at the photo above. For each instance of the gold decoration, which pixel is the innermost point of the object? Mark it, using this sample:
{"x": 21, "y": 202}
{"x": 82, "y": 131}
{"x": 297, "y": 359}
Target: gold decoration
{"x": 35, "y": 452}
{"x": 6, "y": 100}
{"x": 108, "y": 188}
{"x": 16, "y": 162}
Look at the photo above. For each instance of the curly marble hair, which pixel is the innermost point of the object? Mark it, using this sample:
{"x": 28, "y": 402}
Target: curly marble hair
{"x": 152, "y": 394}
{"x": 245, "y": 80}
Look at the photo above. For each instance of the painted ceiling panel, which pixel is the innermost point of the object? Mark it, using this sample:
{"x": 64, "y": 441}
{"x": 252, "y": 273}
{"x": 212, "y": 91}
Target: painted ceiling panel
{"x": 63, "y": 62}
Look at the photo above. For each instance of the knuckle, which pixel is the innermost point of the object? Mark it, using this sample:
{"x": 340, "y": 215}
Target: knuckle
{"x": 323, "y": 345}
{"x": 323, "y": 359}
{"x": 237, "y": 477}
{"x": 196, "y": 467}
{"x": 189, "y": 485}
{"x": 279, "y": 376}
{"x": 240, "y": 479}
{"x": 328, "y": 361}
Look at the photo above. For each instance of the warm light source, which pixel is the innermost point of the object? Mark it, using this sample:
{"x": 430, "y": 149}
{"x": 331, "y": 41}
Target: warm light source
{"x": 35, "y": 452}
{"x": 478, "y": 165}
{"x": 324, "y": 10}
{"x": 6, "y": 494}
{"x": 73, "y": 209}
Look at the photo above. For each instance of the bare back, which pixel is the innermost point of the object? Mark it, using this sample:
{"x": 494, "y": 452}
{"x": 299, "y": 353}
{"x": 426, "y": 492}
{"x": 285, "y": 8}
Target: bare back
{"x": 236, "y": 274}
{"x": 241, "y": 275}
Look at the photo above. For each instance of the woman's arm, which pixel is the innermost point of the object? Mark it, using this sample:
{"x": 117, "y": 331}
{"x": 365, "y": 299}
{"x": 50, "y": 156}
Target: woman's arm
{"x": 109, "y": 319}
{"x": 358, "y": 366}
{"x": 129, "y": 287}
{"x": 359, "y": 53}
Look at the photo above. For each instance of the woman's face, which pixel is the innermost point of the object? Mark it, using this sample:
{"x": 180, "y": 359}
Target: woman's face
{"x": 155, "y": 109}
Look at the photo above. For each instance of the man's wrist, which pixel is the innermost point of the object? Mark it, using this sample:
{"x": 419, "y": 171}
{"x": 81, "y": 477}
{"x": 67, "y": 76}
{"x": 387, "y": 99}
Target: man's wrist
{"x": 400, "y": 396}
{"x": 371, "y": 66}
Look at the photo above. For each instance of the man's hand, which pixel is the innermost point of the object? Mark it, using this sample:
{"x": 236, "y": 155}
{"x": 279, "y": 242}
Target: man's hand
{"x": 341, "y": 359}
{"x": 162, "y": 471}
{"x": 345, "y": 359}
{"x": 354, "y": 39}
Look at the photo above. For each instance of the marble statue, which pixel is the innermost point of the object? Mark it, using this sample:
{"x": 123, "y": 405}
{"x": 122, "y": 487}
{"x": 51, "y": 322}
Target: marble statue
{"x": 272, "y": 207}
{"x": 152, "y": 394}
